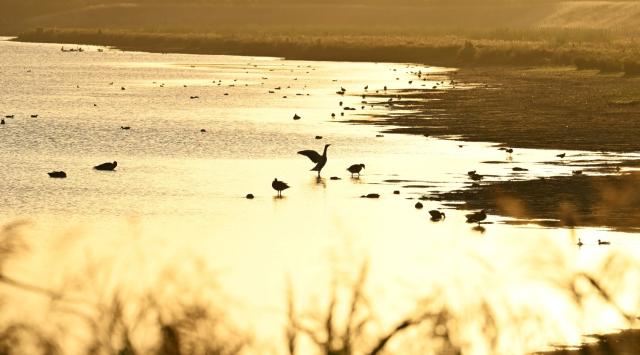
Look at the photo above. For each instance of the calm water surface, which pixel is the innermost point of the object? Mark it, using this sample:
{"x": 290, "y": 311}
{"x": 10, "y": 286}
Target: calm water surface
{"x": 178, "y": 194}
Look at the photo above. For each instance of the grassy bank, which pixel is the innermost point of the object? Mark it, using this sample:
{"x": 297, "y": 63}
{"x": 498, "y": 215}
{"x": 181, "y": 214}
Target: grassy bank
{"x": 586, "y": 49}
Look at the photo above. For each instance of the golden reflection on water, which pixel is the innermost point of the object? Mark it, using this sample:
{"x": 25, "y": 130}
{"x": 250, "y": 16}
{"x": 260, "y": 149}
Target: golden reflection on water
{"x": 173, "y": 220}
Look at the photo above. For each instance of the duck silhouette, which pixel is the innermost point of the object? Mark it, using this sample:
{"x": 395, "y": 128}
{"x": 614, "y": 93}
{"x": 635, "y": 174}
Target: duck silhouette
{"x": 476, "y": 217}
{"x": 106, "y": 166}
{"x": 475, "y": 176}
{"x": 437, "y": 215}
{"x": 57, "y": 174}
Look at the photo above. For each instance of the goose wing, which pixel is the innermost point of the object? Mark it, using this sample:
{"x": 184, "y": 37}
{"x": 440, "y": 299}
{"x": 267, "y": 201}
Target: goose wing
{"x": 311, "y": 154}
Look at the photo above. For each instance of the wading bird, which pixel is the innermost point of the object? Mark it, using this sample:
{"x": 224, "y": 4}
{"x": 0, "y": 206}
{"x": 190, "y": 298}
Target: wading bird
{"x": 106, "y": 166}
{"x": 315, "y": 157}
{"x": 279, "y": 186}
{"x": 561, "y": 155}
{"x": 355, "y": 169}
{"x": 476, "y": 217}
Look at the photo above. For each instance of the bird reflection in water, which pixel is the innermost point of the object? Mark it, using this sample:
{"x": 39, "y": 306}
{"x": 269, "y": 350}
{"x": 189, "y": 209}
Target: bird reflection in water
{"x": 480, "y": 229}
{"x": 319, "y": 182}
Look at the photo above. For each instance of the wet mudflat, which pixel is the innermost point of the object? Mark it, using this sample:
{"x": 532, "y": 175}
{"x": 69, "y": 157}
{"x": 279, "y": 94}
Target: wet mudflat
{"x": 550, "y": 108}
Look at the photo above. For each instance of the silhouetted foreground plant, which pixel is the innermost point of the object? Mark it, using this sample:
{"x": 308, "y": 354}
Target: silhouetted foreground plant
{"x": 490, "y": 322}
{"x": 168, "y": 318}
{"x": 334, "y": 336}
{"x": 479, "y": 313}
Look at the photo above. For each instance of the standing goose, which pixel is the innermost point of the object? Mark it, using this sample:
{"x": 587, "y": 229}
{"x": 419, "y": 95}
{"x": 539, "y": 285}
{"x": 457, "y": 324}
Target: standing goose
{"x": 315, "y": 157}
{"x": 279, "y": 186}
{"x": 106, "y": 166}
{"x": 355, "y": 169}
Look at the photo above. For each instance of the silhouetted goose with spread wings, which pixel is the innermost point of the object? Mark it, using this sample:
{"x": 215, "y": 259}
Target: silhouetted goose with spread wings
{"x": 279, "y": 186}
{"x": 315, "y": 157}
{"x": 106, "y": 166}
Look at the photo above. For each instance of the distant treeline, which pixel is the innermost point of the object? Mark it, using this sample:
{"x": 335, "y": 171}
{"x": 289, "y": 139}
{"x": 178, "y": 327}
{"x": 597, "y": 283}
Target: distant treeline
{"x": 585, "y": 50}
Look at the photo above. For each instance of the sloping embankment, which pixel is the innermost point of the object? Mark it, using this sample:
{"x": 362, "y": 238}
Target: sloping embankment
{"x": 619, "y": 15}
{"x": 363, "y": 18}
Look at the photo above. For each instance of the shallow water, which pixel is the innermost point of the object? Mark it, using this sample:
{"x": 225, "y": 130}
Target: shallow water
{"x": 178, "y": 193}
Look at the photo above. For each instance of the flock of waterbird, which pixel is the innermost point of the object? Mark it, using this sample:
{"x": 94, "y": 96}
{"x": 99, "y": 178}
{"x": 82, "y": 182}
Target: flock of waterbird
{"x": 108, "y": 166}
{"x": 320, "y": 160}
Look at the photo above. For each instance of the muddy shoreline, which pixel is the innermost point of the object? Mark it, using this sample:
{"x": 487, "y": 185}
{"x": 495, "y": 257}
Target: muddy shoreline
{"x": 543, "y": 107}
{"x": 611, "y": 201}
